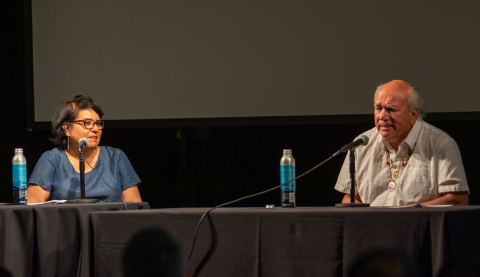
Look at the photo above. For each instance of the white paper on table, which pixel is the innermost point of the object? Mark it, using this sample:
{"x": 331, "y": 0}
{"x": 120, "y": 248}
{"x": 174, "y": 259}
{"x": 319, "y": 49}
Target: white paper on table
{"x": 49, "y": 202}
{"x": 413, "y": 206}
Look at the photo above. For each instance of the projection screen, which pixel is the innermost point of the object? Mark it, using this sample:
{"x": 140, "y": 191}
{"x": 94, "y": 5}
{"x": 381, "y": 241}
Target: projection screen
{"x": 146, "y": 59}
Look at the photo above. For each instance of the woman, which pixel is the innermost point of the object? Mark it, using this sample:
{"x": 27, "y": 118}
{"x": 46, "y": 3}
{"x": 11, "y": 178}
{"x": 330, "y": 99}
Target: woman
{"x": 57, "y": 173}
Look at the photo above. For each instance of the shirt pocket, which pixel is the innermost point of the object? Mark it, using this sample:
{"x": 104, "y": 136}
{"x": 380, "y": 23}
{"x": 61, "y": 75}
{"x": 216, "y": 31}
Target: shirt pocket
{"x": 420, "y": 183}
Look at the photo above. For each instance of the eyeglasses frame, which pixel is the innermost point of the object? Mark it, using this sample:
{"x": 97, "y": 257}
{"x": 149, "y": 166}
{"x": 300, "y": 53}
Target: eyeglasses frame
{"x": 82, "y": 122}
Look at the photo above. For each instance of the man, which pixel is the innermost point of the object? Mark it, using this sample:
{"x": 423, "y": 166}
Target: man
{"x": 407, "y": 160}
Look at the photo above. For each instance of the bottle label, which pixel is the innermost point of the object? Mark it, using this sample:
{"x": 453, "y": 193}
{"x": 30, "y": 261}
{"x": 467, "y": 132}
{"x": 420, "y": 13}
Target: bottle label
{"x": 22, "y": 197}
{"x": 20, "y": 176}
{"x": 287, "y": 173}
{"x": 288, "y": 199}
{"x": 291, "y": 197}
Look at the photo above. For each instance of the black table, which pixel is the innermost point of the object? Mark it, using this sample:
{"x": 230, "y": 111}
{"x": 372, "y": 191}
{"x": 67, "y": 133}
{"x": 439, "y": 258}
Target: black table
{"x": 45, "y": 240}
{"x": 289, "y": 242}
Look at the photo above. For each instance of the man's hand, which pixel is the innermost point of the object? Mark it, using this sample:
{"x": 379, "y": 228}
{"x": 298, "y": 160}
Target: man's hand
{"x": 450, "y": 198}
{"x": 346, "y": 198}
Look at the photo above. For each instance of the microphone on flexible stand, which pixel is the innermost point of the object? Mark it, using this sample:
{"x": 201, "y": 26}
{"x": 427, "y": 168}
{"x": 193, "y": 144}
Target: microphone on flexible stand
{"x": 361, "y": 141}
{"x": 83, "y": 142}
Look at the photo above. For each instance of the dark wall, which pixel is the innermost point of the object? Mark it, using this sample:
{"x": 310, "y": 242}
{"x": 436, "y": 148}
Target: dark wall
{"x": 201, "y": 166}
{"x": 12, "y": 91}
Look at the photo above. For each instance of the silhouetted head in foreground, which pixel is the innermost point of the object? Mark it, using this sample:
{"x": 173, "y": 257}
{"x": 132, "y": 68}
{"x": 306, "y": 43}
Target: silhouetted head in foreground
{"x": 4, "y": 272}
{"x": 466, "y": 267}
{"x": 153, "y": 252}
{"x": 383, "y": 263}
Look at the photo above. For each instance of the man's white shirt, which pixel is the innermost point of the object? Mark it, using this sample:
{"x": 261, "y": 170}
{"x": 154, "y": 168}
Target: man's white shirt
{"x": 435, "y": 167}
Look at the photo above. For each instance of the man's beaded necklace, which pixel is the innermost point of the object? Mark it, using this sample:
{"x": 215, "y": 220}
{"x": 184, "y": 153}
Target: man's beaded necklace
{"x": 396, "y": 168}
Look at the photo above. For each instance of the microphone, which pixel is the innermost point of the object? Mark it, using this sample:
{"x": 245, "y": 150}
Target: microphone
{"x": 83, "y": 142}
{"x": 362, "y": 140}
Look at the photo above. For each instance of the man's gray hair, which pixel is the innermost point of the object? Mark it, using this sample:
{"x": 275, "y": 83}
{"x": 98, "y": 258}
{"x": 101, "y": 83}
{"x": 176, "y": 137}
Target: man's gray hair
{"x": 414, "y": 100}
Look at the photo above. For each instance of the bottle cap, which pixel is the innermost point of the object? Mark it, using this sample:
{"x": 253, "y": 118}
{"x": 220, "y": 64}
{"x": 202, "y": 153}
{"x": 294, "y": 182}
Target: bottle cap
{"x": 287, "y": 151}
{"x": 18, "y": 151}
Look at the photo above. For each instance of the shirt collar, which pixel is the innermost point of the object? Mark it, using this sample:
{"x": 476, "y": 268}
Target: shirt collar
{"x": 411, "y": 139}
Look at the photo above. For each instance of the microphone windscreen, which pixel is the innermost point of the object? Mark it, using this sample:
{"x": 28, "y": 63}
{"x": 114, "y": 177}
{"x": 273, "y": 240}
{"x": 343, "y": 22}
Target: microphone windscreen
{"x": 83, "y": 142}
{"x": 365, "y": 139}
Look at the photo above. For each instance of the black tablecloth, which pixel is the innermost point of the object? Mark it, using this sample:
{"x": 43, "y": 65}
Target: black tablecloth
{"x": 45, "y": 240}
{"x": 289, "y": 242}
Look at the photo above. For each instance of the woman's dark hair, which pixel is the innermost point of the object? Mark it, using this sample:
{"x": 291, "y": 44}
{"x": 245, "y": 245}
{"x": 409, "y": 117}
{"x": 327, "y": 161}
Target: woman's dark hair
{"x": 68, "y": 111}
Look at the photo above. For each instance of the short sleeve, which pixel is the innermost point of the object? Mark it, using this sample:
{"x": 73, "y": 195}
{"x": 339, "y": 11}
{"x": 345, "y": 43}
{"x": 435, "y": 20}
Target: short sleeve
{"x": 344, "y": 181}
{"x": 128, "y": 176}
{"x": 44, "y": 171}
{"x": 451, "y": 174}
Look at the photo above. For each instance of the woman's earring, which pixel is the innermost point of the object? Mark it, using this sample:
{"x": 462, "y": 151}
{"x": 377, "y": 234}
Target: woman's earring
{"x": 68, "y": 144}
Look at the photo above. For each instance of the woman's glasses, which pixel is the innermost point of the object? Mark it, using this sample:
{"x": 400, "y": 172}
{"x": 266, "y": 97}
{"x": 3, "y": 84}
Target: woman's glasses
{"x": 89, "y": 123}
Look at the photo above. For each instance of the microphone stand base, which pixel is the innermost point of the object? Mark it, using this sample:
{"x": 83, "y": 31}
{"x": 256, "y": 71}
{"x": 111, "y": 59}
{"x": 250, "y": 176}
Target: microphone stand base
{"x": 82, "y": 201}
{"x": 352, "y": 205}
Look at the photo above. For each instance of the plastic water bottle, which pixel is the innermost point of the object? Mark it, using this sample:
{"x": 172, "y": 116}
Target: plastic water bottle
{"x": 19, "y": 170}
{"x": 287, "y": 173}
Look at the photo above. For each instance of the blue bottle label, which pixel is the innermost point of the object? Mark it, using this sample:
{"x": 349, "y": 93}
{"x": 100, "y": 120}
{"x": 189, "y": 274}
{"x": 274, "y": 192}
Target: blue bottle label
{"x": 19, "y": 173}
{"x": 20, "y": 176}
{"x": 287, "y": 173}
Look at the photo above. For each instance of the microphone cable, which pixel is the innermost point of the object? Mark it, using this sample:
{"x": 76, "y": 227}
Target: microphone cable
{"x": 108, "y": 185}
{"x": 204, "y": 260}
